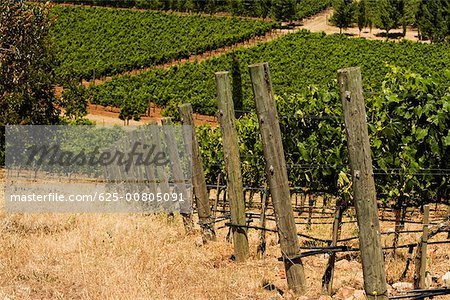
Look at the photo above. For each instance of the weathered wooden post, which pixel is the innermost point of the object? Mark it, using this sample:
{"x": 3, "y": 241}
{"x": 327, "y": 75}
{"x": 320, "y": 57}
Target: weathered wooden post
{"x": 364, "y": 194}
{"x": 161, "y": 174}
{"x": 276, "y": 174}
{"x": 448, "y": 219}
{"x": 327, "y": 278}
{"x": 261, "y": 250}
{"x": 198, "y": 178}
{"x": 232, "y": 165}
{"x": 177, "y": 171}
{"x": 216, "y": 202}
{"x": 311, "y": 204}
{"x": 421, "y": 255}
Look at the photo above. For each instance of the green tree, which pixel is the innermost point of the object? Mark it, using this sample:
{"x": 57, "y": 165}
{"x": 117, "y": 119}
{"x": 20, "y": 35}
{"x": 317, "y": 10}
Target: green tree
{"x": 283, "y": 10}
{"x": 371, "y": 11}
{"x": 361, "y": 15}
{"x": 131, "y": 109}
{"x": 199, "y": 5}
{"x": 434, "y": 19}
{"x": 235, "y": 7}
{"x": 344, "y": 12}
{"x": 409, "y": 15}
{"x": 390, "y": 13}
{"x": 211, "y": 6}
{"x": 26, "y": 71}
{"x": 74, "y": 101}
{"x": 249, "y": 7}
{"x": 264, "y": 7}
{"x": 175, "y": 4}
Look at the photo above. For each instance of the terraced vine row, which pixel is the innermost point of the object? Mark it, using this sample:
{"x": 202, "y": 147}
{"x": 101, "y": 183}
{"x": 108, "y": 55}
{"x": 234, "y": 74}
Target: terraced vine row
{"x": 297, "y": 61}
{"x": 93, "y": 42}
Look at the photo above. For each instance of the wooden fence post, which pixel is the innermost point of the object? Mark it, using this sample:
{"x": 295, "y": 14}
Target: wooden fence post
{"x": 177, "y": 171}
{"x": 327, "y": 279}
{"x": 311, "y": 204}
{"x": 399, "y": 210}
{"x": 421, "y": 255}
{"x": 198, "y": 178}
{"x": 261, "y": 250}
{"x": 232, "y": 164}
{"x": 276, "y": 174}
{"x": 216, "y": 202}
{"x": 448, "y": 217}
{"x": 364, "y": 194}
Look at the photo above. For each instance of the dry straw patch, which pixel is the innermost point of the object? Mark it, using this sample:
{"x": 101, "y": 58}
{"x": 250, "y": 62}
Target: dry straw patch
{"x": 117, "y": 257}
{"x": 125, "y": 256}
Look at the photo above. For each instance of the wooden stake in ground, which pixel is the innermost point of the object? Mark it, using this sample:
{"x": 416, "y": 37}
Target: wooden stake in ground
{"x": 276, "y": 175}
{"x": 177, "y": 171}
{"x": 232, "y": 165}
{"x": 311, "y": 204}
{"x": 216, "y": 202}
{"x": 364, "y": 193}
{"x": 448, "y": 219}
{"x": 198, "y": 178}
{"x": 327, "y": 279}
{"x": 261, "y": 250}
{"x": 421, "y": 255}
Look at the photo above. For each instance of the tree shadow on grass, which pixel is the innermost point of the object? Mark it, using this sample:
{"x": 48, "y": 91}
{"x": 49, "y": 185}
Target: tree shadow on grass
{"x": 392, "y": 35}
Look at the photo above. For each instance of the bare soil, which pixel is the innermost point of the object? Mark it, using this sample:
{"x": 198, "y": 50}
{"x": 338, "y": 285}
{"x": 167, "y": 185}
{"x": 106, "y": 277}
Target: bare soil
{"x": 320, "y": 23}
{"x": 110, "y": 116}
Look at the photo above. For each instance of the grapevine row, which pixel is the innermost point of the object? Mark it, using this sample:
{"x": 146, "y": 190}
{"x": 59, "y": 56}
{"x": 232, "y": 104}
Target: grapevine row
{"x": 297, "y": 60}
{"x": 409, "y": 128}
{"x": 99, "y": 41}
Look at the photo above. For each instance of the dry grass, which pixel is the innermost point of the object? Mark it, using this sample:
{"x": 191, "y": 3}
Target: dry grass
{"x": 140, "y": 257}
{"x": 124, "y": 256}
{"x": 121, "y": 257}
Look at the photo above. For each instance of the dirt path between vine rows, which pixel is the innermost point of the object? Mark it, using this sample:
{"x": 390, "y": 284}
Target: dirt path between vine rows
{"x": 316, "y": 23}
{"x": 320, "y": 23}
{"x": 107, "y": 115}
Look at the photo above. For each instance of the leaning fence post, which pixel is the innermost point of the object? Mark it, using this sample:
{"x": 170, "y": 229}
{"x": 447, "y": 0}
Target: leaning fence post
{"x": 364, "y": 194}
{"x": 198, "y": 178}
{"x": 261, "y": 250}
{"x": 177, "y": 171}
{"x": 216, "y": 201}
{"x": 421, "y": 256}
{"x": 311, "y": 204}
{"x": 448, "y": 219}
{"x": 233, "y": 165}
{"x": 327, "y": 278}
{"x": 276, "y": 174}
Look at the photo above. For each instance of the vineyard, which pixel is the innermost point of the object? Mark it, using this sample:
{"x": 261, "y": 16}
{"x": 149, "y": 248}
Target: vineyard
{"x": 323, "y": 174}
{"x": 408, "y": 108}
{"x": 92, "y": 42}
{"x": 406, "y": 129}
{"x": 293, "y": 10}
{"x": 306, "y": 59}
